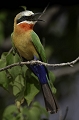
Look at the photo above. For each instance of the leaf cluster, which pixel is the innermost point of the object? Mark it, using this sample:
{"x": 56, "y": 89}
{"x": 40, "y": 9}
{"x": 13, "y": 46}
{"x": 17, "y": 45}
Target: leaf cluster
{"x": 35, "y": 112}
{"x": 19, "y": 79}
{"x": 23, "y": 84}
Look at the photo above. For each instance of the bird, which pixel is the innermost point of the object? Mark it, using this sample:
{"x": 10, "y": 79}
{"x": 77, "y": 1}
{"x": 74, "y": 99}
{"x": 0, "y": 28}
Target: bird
{"x": 28, "y": 45}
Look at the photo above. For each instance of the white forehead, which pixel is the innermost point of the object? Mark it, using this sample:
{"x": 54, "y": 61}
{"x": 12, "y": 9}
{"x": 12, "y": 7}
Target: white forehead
{"x": 26, "y": 13}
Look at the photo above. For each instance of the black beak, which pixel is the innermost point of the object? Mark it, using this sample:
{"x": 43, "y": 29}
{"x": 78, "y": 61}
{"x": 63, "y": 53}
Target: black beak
{"x": 36, "y": 17}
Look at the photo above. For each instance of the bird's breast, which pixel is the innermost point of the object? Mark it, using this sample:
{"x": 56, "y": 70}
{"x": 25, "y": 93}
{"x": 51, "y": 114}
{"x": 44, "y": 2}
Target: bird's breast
{"x": 25, "y": 46}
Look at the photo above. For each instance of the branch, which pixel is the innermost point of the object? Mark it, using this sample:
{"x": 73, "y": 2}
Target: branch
{"x": 66, "y": 70}
{"x": 42, "y": 63}
{"x": 66, "y": 112}
{"x": 65, "y": 115}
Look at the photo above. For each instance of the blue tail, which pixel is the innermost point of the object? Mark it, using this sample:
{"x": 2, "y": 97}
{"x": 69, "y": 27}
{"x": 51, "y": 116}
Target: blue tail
{"x": 40, "y": 72}
{"x": 50, "y": 102}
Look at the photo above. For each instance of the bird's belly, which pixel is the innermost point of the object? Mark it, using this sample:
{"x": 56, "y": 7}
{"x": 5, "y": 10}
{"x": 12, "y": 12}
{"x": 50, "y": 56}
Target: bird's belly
{"x": 27, "y": 50}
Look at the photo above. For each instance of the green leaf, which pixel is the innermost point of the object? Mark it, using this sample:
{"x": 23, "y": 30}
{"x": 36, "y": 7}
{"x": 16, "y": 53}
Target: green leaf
{"x": 35, "y": 112}
{"x": 18, "y": 85}
{"x": 4, "y": 82}
{"x": 52, "y": 79}
{"x": 15, "y": 71}
{"x": 2, "y": 63}
{"x": 24, "y": 71}
{"x": 10, "y": 113}
{"x": 10, "y": 58}
{"x": 10, "y": 109}
{"x": 18, "y": 90}
{"x": 24, "y": 7}
{"x": 51, "y": 76}
{"x": 39, "y": 110}
{"x": 32, "y": 87}
{"x": 3, "y": 56}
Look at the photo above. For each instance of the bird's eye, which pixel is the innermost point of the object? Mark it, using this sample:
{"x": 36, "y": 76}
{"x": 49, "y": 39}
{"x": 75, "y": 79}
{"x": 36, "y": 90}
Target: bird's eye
{"x": 24, "y": 18}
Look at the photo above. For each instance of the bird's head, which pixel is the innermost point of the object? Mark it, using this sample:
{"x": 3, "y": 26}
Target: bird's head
{"x": 26, "y": 20}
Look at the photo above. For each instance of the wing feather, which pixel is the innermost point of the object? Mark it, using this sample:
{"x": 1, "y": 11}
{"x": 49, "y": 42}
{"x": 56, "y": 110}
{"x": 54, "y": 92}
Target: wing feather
{"x": 38, "y": 45}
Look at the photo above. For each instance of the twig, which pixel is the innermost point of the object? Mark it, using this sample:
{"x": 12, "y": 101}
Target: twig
{"x": 66, "y": 113}
{"x": 66, "y": 70}
{"x": 39, "y": 62}
{"x": 44, "y": 10}
{"x": 10, "y": 51}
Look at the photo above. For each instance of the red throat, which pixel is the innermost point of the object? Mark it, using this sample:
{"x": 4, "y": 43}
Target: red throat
{"x": 26, "y": 26}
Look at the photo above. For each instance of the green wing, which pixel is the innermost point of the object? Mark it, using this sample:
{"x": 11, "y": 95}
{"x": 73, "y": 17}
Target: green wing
{"x": 38, "y": 45}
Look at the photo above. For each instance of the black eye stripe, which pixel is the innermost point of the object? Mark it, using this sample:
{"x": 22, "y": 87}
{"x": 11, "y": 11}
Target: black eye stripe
{"x": 23, "y": 18}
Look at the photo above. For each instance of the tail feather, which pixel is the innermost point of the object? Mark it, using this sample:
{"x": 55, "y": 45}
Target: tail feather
{"x": 50, "y": 102}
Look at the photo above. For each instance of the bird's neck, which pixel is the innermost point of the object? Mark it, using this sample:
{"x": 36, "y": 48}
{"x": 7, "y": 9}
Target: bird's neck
{"x": 23, "y": 27}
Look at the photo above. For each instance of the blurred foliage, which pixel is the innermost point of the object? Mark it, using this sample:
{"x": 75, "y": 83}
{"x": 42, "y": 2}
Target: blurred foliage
{"x": 60, "y": 37}
{"x": 22, "y": 83}
{"x": 34, "y": 112}
{"x": 2, "y": 27}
